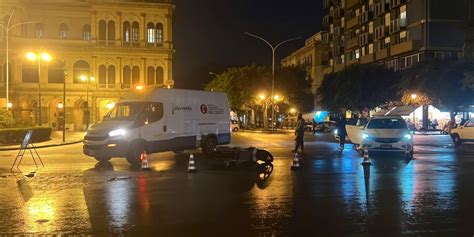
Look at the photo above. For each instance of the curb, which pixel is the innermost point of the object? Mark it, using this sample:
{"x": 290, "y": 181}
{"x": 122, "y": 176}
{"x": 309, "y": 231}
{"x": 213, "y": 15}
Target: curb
{"x": 42, "y": 146}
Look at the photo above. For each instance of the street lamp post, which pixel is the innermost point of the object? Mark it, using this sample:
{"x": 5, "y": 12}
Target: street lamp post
{"x": 413, "y": 98}
{"x": 274, "y": 48}
{"x": 262, "y": 97}
{"x": 88, "y": 80}
{"x": 64, "y": 108}
{"x": 7, "y": 29}
{"x": 39, "y": 57}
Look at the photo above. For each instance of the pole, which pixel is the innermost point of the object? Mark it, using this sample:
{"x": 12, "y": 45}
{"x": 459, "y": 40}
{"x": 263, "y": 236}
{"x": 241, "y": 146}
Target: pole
{"x": 64, "y": 107}
{"x": 87, "y": 101}
{"x": 39, "y": 88}
{"x": 273, "y": 88}
{"x": 7, "y": 29}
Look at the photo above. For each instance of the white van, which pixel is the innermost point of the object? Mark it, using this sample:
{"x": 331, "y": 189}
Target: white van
{"x": 161, "y": 120}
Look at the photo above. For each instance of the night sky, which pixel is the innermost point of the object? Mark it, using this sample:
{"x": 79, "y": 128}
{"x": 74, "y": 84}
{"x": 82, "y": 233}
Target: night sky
{"x": 209, "y": 34}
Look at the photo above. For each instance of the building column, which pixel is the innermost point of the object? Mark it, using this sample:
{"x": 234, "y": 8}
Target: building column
{"x": 94, "y": 28}
{"x": 143, "y": 74}
{"x": 118, "y": 31}
{"x": 168, "y": 31}
{"x": 143, "y": 31}
{"x": 169, "y": 72}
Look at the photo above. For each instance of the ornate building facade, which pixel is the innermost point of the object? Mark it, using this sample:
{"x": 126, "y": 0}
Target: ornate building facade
{"x": 99, "y": 50}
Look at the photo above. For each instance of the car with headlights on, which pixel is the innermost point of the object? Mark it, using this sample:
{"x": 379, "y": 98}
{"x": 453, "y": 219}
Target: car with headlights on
{"x": 387, "y": 134}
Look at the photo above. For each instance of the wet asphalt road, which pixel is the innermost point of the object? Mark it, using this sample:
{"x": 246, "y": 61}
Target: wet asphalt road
{"x": 330, "y": 195}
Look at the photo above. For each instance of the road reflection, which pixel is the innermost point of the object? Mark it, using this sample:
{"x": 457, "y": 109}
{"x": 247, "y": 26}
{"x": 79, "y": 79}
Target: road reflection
{"x": 209, "y": 201}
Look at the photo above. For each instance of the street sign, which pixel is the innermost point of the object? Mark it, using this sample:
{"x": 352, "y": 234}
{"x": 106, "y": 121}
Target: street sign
{"x": 27, "y": 145}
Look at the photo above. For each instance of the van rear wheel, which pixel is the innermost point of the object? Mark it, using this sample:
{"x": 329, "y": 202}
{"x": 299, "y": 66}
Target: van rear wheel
{"x": 209, "y": 145}
{"x": 135, "y": 153}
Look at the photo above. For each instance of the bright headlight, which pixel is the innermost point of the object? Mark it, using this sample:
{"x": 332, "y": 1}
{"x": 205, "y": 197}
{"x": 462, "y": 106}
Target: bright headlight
{"x": 335, "y": 131}
{"x": 407, "y": 136}
{"x": 365, "y": 136}
{"x": 118, "y": 132}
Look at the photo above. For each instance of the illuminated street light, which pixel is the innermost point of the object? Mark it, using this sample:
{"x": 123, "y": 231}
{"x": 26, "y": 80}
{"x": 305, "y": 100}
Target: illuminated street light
{"x": 38, "y": 57}
{"x": 110, "y": 105}
{"x": 46, "y": 57}
{"x": 139, "y": 87}
{"x": 31, "y": 56}
{"x": 262, "y": 96}
{"x": 9, "y": 105}
{"x": 60, "y": 105}
{"x": 292, "y": 110}
{"x": 413, "y": 96}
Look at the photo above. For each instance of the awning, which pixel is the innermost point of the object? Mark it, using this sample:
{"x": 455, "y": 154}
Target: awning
{"x": 404, "y": 110}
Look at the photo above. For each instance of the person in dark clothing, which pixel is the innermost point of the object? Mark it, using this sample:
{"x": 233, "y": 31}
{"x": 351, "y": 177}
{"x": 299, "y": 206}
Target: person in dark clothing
{"x": 341, "y": 131}
{"x": 299, "y": 133}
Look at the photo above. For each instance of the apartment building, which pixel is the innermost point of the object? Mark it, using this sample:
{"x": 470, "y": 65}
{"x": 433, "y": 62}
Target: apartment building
{"x": 99, "y": 50}
{"x": 309, "y": 57}
{"x": 396, "y": 33}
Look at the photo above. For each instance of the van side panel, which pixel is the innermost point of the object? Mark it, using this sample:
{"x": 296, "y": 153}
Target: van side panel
{"x": 190, "y": 116}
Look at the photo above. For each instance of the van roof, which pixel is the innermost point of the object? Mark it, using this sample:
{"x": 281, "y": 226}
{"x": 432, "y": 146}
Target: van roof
{"x": 148, "y": 93}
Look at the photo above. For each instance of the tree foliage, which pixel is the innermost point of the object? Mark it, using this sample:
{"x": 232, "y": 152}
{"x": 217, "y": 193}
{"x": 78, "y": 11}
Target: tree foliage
{"x": 448, "y": 84}
{"x": 244, "y": 84}
{"x": 6, "y": 118}
{"x": 358, "y": 87}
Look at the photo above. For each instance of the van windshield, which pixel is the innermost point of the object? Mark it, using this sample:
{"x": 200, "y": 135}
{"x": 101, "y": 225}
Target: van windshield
{"x": 388, "y": 123}
{"x": 125, "y": 111}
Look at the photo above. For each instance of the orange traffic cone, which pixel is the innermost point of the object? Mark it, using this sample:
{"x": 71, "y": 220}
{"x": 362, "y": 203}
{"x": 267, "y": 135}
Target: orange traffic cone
{"x": 143, "y": 158}
{"x": 296, "y": 161}
{"x": 366, "y": 157}
{"x": 191, "y": 164}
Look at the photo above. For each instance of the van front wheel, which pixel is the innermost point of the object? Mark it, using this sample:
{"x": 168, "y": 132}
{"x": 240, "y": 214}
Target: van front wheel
{"x": 135, "y": 153}
{"x": 102, "y": 158}
{"x": 209, "y": 145}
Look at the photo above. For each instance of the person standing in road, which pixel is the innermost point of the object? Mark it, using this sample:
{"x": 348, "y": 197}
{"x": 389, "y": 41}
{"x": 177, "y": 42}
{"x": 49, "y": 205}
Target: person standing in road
{"x": 299, "y": 133}
{"x": 341, "y": 130}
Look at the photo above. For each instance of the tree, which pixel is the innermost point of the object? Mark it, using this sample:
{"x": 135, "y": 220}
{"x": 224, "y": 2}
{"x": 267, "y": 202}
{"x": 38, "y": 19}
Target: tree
{"x": 241, "y": 85}
{"x": 358, "y": 87}
{"x": 447, "y": 83}
{"x": 244, "y": 84}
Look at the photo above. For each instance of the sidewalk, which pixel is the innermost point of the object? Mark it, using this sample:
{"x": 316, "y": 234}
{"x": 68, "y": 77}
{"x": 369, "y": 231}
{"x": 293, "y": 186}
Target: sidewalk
{"x": 56, "y": 140}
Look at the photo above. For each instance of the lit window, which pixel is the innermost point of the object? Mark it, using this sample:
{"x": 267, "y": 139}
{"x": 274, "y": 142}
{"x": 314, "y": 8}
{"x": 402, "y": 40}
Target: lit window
{"x": 63, "y": 31}
{"x": 39, "y": 32}
{"x": 150, "y": 33}
{"x": 403, "y": 16}
{"x": 357, "y": 53}
{"x": 126, "y": 31}
{"x": 135, "y": 32}
{"x": 86, "y": 32}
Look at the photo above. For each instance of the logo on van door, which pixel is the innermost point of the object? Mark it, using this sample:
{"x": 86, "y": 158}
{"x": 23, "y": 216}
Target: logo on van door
{"x": 211, "y": 109}
{"x": 204, "y": 109}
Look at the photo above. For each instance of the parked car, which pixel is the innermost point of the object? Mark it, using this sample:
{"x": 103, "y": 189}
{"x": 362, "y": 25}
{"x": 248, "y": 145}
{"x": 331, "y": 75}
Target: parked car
{"x": 387, "y": 134}
{"x": 463, "y": 133}
{"x": 234, "y": 125}
{"x": 327, "y": 126}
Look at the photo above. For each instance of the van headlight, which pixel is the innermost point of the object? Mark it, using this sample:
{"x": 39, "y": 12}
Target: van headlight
{"x": 407, "y": 137}
{"x": 335, "y": 131}
{"x": 118, "y": 132}
{"x": 365, "y": 136}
